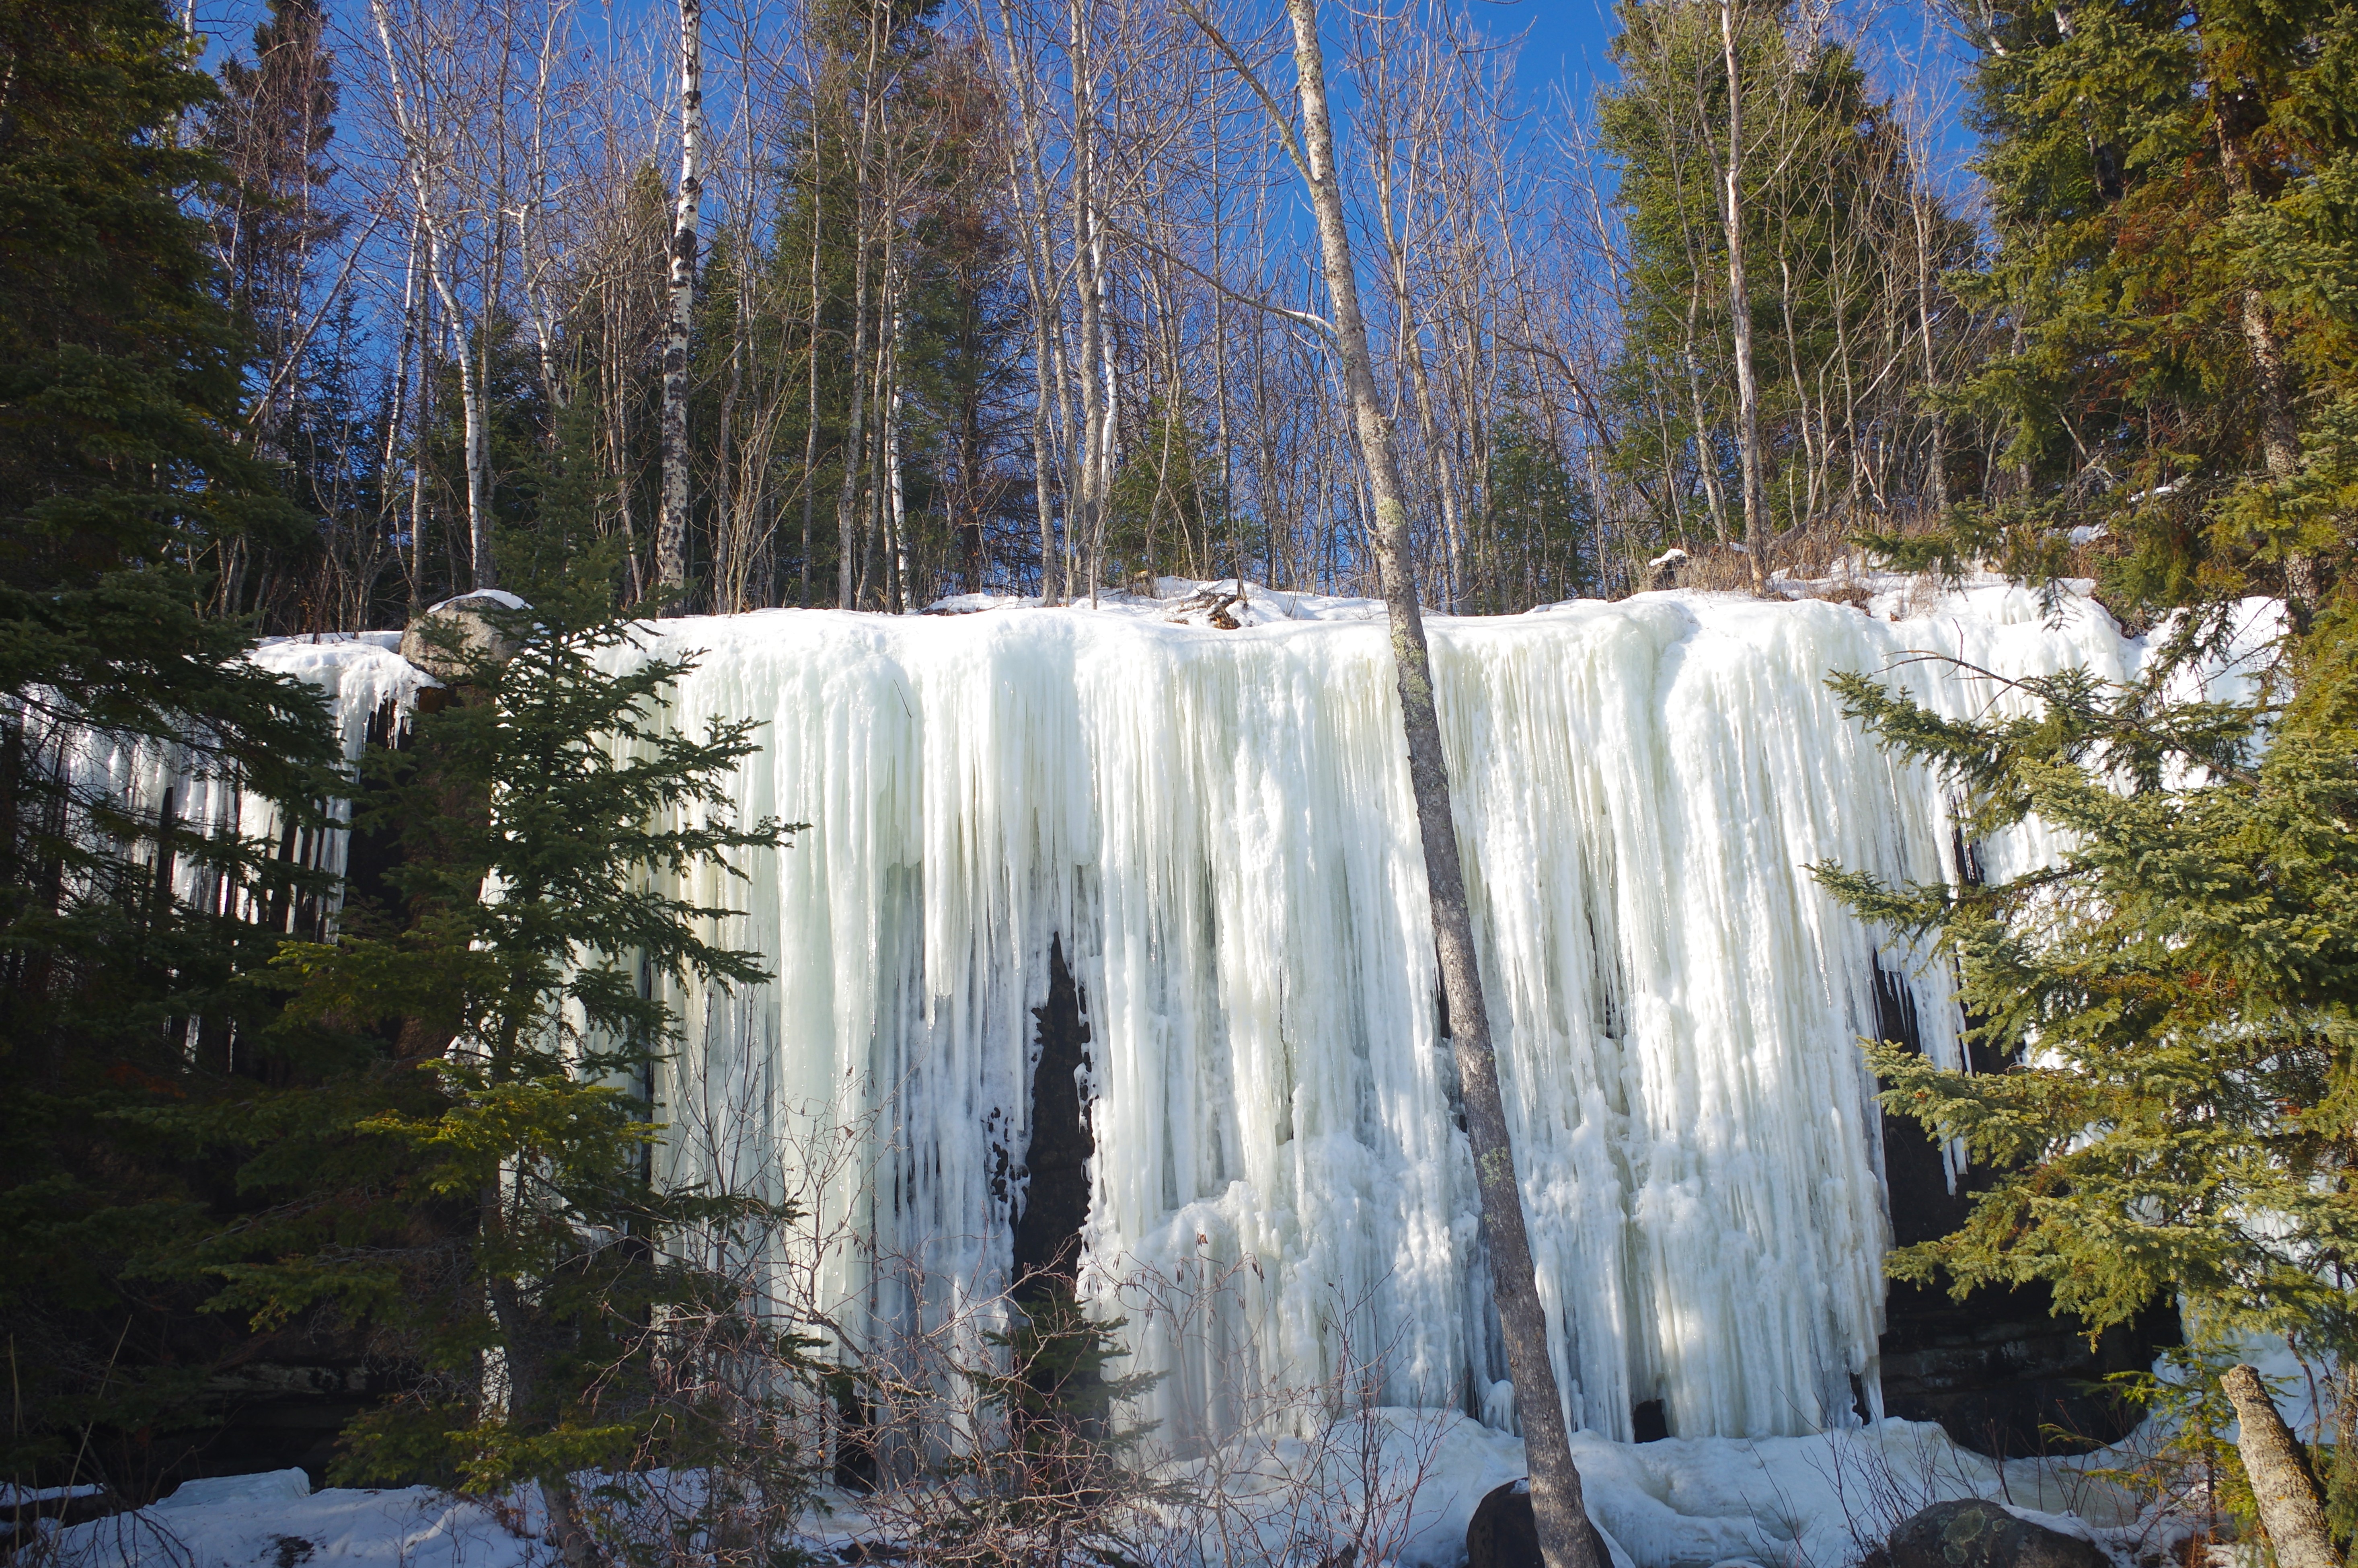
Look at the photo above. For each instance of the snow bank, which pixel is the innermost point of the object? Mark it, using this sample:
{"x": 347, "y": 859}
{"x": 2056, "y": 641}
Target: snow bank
{"x": 277, "y": 1521}
{"x": 1796, "y": 1502}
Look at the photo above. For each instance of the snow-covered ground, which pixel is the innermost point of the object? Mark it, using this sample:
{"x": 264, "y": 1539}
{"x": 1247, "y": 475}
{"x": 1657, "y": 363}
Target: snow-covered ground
{"x": 1792, "y": 1502}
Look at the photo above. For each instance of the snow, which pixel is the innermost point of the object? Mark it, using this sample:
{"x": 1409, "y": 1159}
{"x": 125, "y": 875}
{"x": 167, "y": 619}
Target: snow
{"x": 12, "y": 1495}
{"x": 1261, "y": 606}
{"x": 498, "y": 596}
{"x": 252, "y": 1494}
{"x": 266, "y": 1522}
{"x": 1810, "y": 1502}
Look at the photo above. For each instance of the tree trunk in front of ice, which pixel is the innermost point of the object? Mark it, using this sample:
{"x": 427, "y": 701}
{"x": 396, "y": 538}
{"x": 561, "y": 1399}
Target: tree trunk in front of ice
{"x": 1565, "y": 1540}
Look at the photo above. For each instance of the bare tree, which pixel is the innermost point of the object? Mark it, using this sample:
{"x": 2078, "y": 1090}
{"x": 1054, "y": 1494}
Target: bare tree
{"x": 671, "y": 533}
{"x": 1565, "y": 1538}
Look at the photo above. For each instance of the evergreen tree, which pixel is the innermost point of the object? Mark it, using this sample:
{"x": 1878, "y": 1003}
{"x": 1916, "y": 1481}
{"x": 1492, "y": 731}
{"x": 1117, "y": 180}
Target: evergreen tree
{"x": 1828, "y": 201}
{"x": 484, "y": 1193}
{"x": 2174, "y": 1000}
{"x": 126, "y": 922}
{"x": 2175, "y": 188}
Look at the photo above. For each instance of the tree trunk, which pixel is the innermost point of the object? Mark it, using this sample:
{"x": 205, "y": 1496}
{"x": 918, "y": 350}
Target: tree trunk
{"x": 477, "y": 459}
{"x": 855, "y": 436}
{"x": 1927, "y": 280}
{"x": 898, "y": 517}
{"x": 1565, "y": 1537}
{"x": 2279, "y": 427}
{"x": 810, "y": 429}
{"x": 1739, "y": 314}
{"x": 671, "y": 529}
{"x": 2290, "y": 1510}
{"x": 1093, "y": 356}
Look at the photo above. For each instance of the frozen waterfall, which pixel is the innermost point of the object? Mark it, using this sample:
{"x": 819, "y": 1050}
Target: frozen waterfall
{"x": 1215, "y": 825}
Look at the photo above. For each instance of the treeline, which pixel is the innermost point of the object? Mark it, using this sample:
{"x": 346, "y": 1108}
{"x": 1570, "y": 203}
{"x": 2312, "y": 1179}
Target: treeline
{"x": 907, "y": 300}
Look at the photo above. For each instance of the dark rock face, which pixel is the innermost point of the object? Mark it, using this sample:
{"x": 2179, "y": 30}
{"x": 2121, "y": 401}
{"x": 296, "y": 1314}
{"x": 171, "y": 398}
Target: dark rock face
{"x": 1047, "y": 1241}
{"x": 1505, "y": 1534}
{"x": 1999, "y": 1370}
{"x": 2005, "y": 1376}
{"x": 1979, "y": 1535}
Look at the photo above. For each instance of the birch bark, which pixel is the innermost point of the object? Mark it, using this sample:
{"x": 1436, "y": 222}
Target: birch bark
{"x": 1739, "y": 314}
{"x": 671, "y": 528}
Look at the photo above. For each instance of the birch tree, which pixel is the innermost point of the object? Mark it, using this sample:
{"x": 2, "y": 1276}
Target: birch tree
{"x": 671, "y": 532}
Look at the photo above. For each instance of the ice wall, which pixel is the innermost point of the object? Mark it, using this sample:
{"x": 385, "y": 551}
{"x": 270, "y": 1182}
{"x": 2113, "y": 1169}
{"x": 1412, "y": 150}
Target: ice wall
{"x": 367, "y": 683}
{"x": 1217, "y": 824}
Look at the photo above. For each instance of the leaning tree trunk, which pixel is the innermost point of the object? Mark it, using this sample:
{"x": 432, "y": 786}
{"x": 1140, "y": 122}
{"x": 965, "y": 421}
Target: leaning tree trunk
{"x": 671, "y": 530}
{"x": 2291, "y": 1510}
{"x": 1565, "y": 1538}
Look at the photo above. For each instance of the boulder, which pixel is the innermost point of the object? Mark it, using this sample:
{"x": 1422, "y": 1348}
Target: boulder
{"x": 1980, "y": 1534}
{"x": 458, "y": 636}
{"x": 1504, "y": 1533}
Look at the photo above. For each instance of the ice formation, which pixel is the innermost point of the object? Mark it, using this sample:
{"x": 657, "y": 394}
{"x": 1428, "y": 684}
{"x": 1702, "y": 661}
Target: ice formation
{"x": 1215, "y": 826}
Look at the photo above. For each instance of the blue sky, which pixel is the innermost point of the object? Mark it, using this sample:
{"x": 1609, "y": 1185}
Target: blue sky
{"x": 1562, "y": 53}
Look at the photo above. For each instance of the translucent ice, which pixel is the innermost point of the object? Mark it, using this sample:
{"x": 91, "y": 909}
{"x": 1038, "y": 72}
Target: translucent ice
{"x": 1216, "y": 826}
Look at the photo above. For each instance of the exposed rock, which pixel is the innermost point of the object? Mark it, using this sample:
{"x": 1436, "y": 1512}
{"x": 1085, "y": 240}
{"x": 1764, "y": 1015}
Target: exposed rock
{"x": 457, "y": 636}
{"x": 1505, "y": 1534}
{"x": 2001, "y": 1372}
{"x": 1979, "y": 1535}
{"x": 1207, "y": 606}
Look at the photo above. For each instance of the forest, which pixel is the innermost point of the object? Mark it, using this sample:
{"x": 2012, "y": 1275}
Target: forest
{"x": 863, "y": 306}
{"x": 335, "y": 1019}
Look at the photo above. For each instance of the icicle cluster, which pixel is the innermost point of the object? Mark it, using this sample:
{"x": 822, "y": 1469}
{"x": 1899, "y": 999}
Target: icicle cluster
{"x": 1216, "y": 826}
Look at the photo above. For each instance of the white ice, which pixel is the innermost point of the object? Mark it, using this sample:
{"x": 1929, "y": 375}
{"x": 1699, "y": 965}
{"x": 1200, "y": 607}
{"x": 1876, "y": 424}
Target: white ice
{"x": 1217, "y": 826}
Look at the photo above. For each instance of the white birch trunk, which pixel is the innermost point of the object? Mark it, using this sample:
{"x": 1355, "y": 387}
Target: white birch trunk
{"x": 671, "y": 528}
{"x": 1739, "y": 314}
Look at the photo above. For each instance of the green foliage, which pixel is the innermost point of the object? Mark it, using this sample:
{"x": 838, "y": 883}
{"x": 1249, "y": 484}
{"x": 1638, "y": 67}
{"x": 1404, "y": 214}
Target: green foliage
{"x": 2174, "y": 997}
{"x": 129, "y": 925}
{"x": 119, "y": 371}
{"x": 1164, "y": 512}
{"x": 1829, "y": 237}
{"x": 2170, "y": 184}
{"x": 488, "y": 1195}
{"x": 2195, "y": 1459}
{"x": 1531, "y": 500}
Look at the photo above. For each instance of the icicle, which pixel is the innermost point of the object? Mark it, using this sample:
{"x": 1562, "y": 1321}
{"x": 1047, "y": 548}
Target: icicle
{"x": 1216, "y": 826}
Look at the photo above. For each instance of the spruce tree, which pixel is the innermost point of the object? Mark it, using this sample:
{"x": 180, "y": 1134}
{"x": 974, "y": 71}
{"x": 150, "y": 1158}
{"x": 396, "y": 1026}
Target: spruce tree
{"x": 2175, "y": 1000}
{"x": 2175, "y": 191}
{"x": 127, "y": 921}
{"x": 485, "y": 1194}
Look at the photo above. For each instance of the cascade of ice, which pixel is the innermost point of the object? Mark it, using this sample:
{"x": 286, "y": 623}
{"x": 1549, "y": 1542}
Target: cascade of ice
{"x": 1217, "y": 826}
{"x": 364, "y": 680}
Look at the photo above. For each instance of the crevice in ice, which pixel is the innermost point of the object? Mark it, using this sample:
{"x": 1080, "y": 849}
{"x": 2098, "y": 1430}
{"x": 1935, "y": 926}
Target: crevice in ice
{"x": 1050, "y": 1195}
